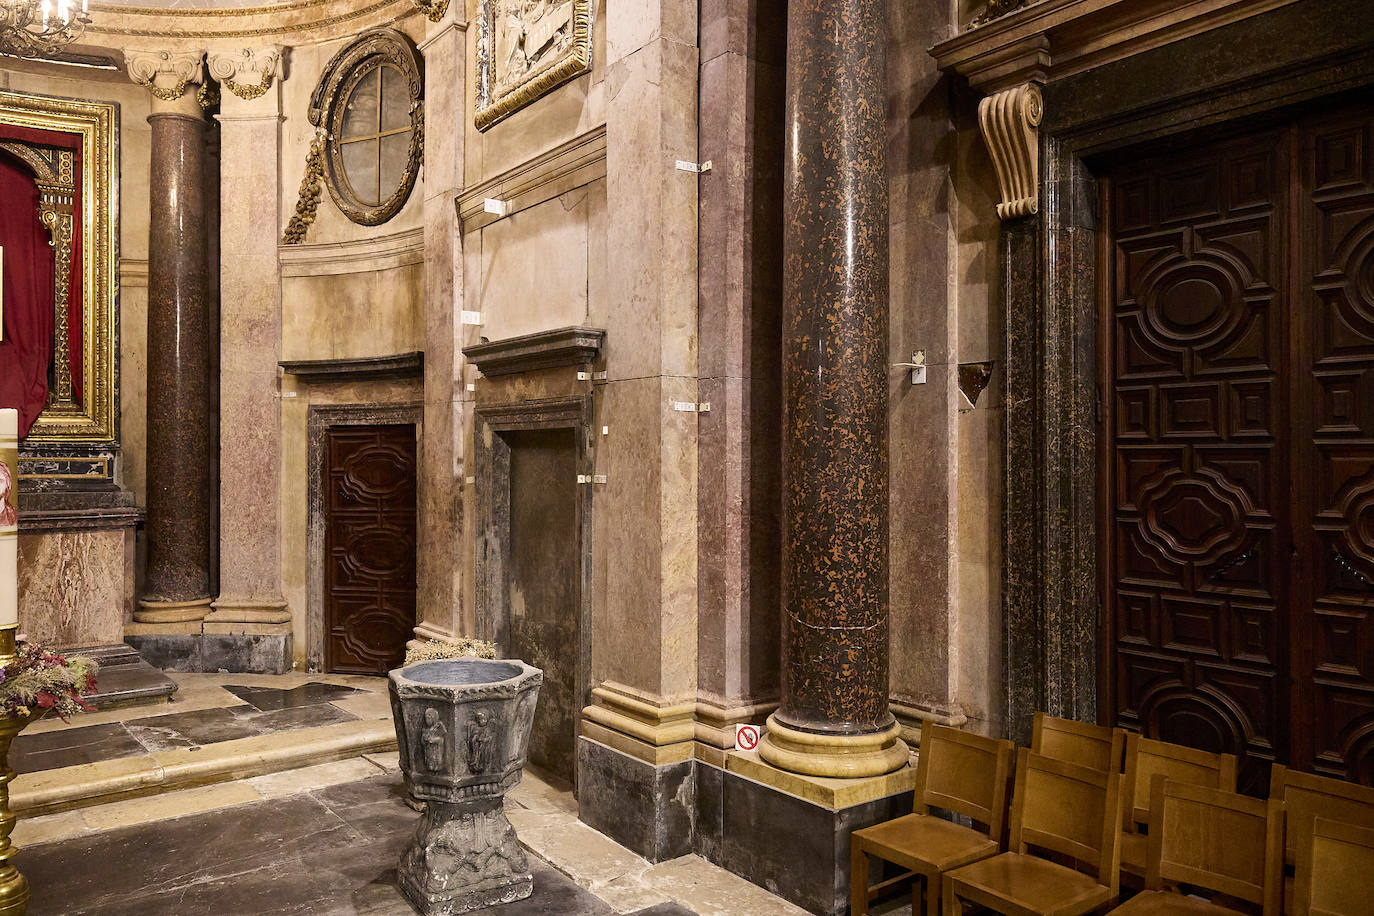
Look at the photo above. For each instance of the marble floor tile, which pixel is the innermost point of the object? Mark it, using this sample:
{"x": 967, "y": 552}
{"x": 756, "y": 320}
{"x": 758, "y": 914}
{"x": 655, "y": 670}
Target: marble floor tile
{"x": 293, "y": 717}
{"x": 272, "y": 698}
{"x": 191, "y": 729}
{"x": 72, "y": 746}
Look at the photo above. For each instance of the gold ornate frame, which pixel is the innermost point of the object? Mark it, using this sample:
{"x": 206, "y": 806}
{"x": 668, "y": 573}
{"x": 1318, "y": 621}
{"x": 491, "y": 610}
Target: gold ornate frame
{"x": 576, "y": 61}
{"x": 94, "y": 421}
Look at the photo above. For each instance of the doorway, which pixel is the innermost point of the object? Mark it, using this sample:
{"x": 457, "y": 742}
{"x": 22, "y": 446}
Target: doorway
{"x": 1238, "y": 485}
{"x": 369, "y": 478}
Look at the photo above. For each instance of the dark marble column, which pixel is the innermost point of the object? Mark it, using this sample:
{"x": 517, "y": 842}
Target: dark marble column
{"x": 834, "y": 718}
{"x": 177, "y": 583}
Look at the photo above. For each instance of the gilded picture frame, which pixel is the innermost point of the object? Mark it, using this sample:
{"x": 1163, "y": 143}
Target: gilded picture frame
{"x": 525, "y": 49}
{"x": 94, "y": 419}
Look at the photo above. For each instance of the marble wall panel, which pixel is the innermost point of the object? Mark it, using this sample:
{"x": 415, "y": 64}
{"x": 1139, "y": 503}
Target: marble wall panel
{"x": 75, "y": 586}
{"x": 379, "y": 313}
{"x": 534, "y": 268}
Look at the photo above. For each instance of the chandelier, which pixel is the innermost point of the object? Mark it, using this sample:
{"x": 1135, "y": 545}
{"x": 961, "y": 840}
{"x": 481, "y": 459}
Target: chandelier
{"x": 40, "y": 28}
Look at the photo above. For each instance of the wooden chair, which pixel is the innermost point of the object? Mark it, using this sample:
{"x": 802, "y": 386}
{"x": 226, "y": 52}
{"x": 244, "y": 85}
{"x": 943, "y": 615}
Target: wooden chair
{"x": 1335, "y": 873}
{"x": 1094, "y": 746}
{"x": 1147, "y": 758}
{"x": 1210, "y": 839}
{"x": 1061, "y": 808}
{"x": 957, "y": 771}
{"x": 1306, "y": 796}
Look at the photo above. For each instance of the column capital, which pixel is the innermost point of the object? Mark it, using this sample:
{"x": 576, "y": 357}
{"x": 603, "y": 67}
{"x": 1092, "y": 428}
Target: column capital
{"x": 1010, "y": 123}
{"x": 168, "y": 75}
{"x": 247, "y": 72}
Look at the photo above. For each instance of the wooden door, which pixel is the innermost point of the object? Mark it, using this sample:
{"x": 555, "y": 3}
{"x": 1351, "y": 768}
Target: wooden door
{"x": 1334, "y": 367}
{"x": 1199, "y": 546}
{"x": 1240, "y": 480}
{"x": 369, "y": 547}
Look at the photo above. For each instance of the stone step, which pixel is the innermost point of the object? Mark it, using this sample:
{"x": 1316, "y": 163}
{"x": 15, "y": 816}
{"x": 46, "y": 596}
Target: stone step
{"x": 64, "y": 788}
{"x": 125, "y": 679}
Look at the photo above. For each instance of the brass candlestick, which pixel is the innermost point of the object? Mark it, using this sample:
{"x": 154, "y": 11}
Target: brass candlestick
{"x": 14, "y": 887}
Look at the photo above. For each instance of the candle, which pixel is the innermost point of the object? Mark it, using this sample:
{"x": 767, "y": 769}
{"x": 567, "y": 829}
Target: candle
{"x": 9, "y": 518}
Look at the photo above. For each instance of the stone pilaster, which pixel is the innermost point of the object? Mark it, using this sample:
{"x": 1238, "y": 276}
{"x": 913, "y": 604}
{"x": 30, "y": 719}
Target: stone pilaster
{"x": 180, "y": 475}
{"x": 250, "y": 593}
{"x": 440, "y": 558}
{"x": 834, "y": 718}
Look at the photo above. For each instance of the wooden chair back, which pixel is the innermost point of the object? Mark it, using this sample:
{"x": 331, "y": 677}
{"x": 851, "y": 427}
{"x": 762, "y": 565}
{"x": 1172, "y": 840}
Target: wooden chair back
{"x": 1306, "y": 796}
{"x": 1095, "y": 746}
{"x": 1335, "y": 869}
{"x": 1221, "y": 841}
{"x": 964, "y": 773}
{"x": 1069, "y": 809}
{"x": 1147, "y": 758}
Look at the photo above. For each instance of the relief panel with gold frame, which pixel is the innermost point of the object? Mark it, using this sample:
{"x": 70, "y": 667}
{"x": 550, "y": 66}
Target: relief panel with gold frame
{"x": 93, "y": 420}
{"x": 525, "y": 48}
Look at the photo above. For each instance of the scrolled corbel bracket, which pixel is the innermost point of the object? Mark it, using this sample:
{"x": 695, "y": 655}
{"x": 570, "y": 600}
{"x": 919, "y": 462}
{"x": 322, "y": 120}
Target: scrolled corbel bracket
{"x": 1010, "y": 124}
{"x": 246, "y": 72}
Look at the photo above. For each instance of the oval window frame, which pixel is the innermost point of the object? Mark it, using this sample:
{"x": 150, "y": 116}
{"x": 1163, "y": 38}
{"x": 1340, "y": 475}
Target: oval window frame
{"x": 369, "y": 51}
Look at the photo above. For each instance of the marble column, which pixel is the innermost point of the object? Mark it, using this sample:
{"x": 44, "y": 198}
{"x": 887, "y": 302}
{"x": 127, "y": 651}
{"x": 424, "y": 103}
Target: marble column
{"x": 448, "y": 416}
{"x": 250, "y": 594}
{"x": 834, "y": 719}
{"x": 177, "y": 580}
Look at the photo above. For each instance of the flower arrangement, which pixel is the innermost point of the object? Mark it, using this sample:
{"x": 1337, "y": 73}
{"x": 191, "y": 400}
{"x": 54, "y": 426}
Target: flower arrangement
{"x": 462, "y": 647}
{"x": 37, "y": 681}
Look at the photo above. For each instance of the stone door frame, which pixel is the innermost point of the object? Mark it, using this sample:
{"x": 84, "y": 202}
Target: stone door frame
{"x": 1052, "y": 595}
{"x": 320, "y": 419}
{"x": 492, "y": 479}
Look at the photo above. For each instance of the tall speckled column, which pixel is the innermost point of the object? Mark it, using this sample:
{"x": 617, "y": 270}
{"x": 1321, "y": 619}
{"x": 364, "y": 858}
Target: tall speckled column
{"x": 177, "y": 582}
{"x": 834, "y": 719}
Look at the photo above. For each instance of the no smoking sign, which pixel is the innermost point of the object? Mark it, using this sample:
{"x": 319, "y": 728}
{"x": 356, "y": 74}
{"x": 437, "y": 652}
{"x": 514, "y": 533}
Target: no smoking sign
{"x": 747, "y": 737}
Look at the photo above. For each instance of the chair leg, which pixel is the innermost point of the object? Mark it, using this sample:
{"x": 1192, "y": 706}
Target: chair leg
{"x": 858, "y": 879}
{"x": 952, "y": 905}
{"x": 932, "y": 885}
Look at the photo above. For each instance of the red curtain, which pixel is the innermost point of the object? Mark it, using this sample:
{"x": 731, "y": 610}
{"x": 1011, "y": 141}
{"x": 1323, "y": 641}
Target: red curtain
{"x": 26, "y": 350}
{"x": 16, "y": 386}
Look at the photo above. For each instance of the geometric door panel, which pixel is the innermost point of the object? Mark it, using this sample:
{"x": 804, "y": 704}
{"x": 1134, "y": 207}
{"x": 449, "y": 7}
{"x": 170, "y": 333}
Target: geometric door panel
{"x": 1241, "y": 357}
{"x": 370, "y": 534}
{"x": 1336, "y": 502}
{"x": 1199, "y": 494}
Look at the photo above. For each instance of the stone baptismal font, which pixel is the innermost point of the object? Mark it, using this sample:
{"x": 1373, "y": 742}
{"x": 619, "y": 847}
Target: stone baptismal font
{"x": 463, "y": 726}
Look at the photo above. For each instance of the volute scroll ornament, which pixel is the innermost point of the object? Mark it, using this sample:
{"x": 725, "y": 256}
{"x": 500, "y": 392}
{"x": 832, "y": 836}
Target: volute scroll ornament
{"x": 246, "y": 72}
{"x": 166, "y": 74}
{"x": 1010, "y": 124}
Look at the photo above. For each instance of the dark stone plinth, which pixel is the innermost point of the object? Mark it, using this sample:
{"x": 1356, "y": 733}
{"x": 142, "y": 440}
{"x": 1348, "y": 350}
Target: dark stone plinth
{"x": 235, "y": 653}
{"x": 463, "y": 729}
{"x": 180, "y": 482}
{"x": 835, "y": 370}
{"x": 643, "y": 807}
{"x": 795, "y": 848}
{"x": 125, "y": 679}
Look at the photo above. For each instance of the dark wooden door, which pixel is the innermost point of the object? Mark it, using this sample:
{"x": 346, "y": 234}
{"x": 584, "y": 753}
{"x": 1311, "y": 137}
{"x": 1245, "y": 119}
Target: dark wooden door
{"x": 1334, "y": 366}
{"x": 369, "y": 547}
{"x": 1241, "y": 473}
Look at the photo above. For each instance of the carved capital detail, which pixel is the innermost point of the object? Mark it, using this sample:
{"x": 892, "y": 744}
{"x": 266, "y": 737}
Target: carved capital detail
{"x": 166, "y": 74}
{"x": 1010, "y": 122}
{"x": 247, "y": 72}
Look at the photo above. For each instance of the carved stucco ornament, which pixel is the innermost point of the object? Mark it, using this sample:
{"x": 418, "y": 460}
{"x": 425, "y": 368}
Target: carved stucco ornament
{"x": 155, "y": 69}
{"x": 1010, "y": 123}
{"x": 434, "y": 10}
{"x": 246, "y": 72}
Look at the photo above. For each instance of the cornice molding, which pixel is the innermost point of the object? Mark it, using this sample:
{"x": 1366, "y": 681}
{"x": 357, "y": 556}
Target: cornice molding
{"x": 327, "y": 259}
{"x": 361, "y": 369}
{"x": 576, "y": 346}
{"x": 1054, "y": 38}
{"x": 570, "y": 165}
{"x": 297, "y": 23}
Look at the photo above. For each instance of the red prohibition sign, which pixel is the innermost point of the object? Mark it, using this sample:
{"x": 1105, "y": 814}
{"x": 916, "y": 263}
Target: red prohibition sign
{"x": 747, "y": 737}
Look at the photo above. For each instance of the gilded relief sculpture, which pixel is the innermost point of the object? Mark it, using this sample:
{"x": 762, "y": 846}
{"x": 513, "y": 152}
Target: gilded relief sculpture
{"x": 527, "y": 47}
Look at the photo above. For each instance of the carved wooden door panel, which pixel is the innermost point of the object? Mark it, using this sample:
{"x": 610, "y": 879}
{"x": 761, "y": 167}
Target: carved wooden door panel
{"x": 1198, "y": 581}
{"x": 370, "y": 519}
{"x": 1334, "y": 351}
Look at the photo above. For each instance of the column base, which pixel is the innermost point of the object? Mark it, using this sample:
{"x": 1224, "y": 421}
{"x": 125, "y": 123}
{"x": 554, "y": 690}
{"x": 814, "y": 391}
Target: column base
{"x": 236, "y": 650}
{"x": 643, "y": 806}
{"x": 248, "y": 610}
{"x": 834, "y": 756}
{"x": 171, "y": 611}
